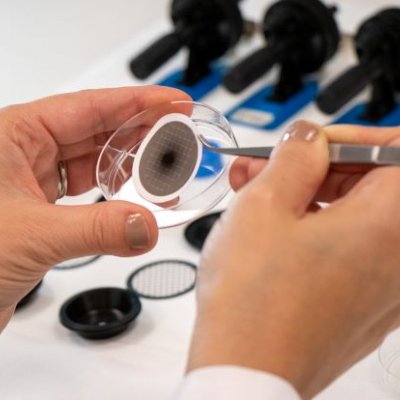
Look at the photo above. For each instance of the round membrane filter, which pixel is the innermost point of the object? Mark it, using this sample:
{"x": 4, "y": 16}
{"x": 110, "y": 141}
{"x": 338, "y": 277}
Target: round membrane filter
{"x": 168, "y": 159}
{"x": 163, "y": 279}
{"x": 157, "y": 160}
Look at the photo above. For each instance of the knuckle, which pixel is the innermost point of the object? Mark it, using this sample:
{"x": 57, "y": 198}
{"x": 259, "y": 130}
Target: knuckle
{"x": 256, "y": 195}
{"x": 258, "y": 202}
{"x": 14, "y": 120}
{"x": 94, "y": 233}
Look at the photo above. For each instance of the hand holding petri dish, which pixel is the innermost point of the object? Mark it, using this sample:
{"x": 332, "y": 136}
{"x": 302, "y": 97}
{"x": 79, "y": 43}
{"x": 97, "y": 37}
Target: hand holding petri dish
{"x": 156, "y": 159}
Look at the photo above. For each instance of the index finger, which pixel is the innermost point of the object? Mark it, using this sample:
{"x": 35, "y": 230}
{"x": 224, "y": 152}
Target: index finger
{"x": 356, "y": 134}
{"x": 73, "y": 117}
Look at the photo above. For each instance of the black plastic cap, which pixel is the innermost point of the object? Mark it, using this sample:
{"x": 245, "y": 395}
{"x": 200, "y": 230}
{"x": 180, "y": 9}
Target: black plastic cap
{"x": 100, "y": 313}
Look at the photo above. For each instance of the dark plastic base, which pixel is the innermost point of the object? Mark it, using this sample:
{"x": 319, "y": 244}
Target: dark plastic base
{"x": 260, "y": 113}
{"x": 100, "y": 313}
{"x": 353, "y": 117}
{"x": 196, "y": 232}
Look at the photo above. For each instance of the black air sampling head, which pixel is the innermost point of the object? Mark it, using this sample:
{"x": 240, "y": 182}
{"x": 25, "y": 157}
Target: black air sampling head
{"x": 208, "y": 28}
{"x": 377, "y": 44}
{"x": 301, "y": 34}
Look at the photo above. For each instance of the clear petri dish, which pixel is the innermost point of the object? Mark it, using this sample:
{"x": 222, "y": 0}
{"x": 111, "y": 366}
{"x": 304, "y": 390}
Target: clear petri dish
{"x": 389, "y": 358}
{"x": 206, "y": 187}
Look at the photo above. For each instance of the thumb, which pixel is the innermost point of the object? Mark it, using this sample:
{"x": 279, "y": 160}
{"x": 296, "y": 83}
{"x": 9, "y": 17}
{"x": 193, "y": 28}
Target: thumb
{"x": 115, "y": 227}
{"x": 297, "y": 167}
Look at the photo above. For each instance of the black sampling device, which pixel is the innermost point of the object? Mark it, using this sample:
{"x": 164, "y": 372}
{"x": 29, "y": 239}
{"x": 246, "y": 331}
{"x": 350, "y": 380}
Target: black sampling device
{"x": 207, "y": 28}
{"x": 377, "y": 44}
{"x": 301, "y": 36}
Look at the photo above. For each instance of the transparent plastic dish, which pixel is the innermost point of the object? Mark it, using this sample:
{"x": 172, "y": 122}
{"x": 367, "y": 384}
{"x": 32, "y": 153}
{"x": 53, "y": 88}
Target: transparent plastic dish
{"x": 205, "y": 189}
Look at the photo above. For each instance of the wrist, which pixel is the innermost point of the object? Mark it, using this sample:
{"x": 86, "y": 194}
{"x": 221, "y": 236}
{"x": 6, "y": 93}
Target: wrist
{"x": 222, "y": 340}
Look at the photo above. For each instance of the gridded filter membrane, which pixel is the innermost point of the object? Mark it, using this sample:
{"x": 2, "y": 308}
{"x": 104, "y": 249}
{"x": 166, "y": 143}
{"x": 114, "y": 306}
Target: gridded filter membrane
{"x": 163, "y": 279}
{"x": 168, "y": 159}
{"x": 76, "y": 263}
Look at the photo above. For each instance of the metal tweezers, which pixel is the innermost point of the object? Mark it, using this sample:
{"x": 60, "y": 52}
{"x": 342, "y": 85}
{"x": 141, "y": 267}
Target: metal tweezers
{"x": 338, "y": 153}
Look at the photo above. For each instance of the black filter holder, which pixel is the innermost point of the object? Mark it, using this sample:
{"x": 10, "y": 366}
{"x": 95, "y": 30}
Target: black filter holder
{"x": 100, "y": 313}
{"x": 377, "y": 45}
{"x": 197, "y": 231}
{"x": 207, "y": 28}
{"x": 301, "y": 36}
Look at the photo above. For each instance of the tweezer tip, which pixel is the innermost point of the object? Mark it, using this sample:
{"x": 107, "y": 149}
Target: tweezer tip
{"x": 203, "y": 141}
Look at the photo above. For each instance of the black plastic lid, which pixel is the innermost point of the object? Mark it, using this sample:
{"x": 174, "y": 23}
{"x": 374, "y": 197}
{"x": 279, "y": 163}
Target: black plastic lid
{"x": 100, "y": 313}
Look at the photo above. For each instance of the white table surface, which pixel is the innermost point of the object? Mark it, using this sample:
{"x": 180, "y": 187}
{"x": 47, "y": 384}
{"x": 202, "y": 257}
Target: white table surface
{"x": 57, "y": 46}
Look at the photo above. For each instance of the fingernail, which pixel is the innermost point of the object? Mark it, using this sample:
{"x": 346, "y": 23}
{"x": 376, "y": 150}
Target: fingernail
{"x": 301, "y": 130}
{"x": 137, "y": 232}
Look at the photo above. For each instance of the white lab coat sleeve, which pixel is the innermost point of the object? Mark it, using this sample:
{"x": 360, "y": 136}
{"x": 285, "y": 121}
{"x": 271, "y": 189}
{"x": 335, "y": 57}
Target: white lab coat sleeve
{"x": 234, "y": 383}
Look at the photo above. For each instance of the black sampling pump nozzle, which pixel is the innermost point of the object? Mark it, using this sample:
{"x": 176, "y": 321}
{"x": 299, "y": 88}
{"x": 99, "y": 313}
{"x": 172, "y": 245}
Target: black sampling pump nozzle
{"x": 301, "y": 36}
{"x": 207, "y": 28}
{"x": 377, "y": 45}
{"x": 144, "y": 64}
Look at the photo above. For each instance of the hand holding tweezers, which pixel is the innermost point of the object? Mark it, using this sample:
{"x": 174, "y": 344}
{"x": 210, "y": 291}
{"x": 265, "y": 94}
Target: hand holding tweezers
{"x": 338, "y": 153}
